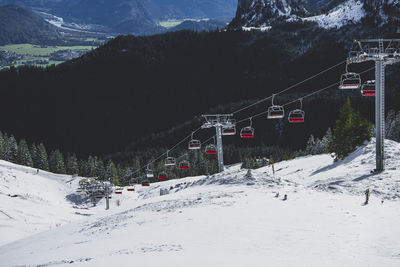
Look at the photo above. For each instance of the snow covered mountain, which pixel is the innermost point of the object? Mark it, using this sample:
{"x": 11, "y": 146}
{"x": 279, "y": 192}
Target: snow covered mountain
{"x": 235, "y": 218}
{"x": 333, "y": 14}
{"x": 261, "y": 13}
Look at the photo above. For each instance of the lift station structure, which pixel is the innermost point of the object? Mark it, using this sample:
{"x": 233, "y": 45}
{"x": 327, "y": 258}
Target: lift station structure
{"x": 383, "y": 52}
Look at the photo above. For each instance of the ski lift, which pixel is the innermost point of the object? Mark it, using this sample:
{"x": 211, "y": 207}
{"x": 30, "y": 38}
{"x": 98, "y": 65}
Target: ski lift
{"x": 230, "y": 130}
{"x": 350, "y": 80}
{"x": 229, "y": 127}
{"x": 184, "y": 165}
{"x": 368, "y": 88}
{"x": 247, "y": 132}
{"x": 145, "y": 182}
{"x": 99, "y": 196}
{"x": 118, "y": 190}
{"x": 131, "y": 186}
{"x": 194, "y": 143}
{"x": 275, "y": 111}
{"x": 297, "y": 115}
{"x": 170, "y": 161}
{"x": 133, "y": 181}
{"x": 162, "y": 176}
{"x": 211, "y": 149}
{"x": 149, "y": 172}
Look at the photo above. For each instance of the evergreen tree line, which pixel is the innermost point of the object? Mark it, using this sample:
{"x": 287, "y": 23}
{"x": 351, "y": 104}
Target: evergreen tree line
{"x": 203, "y": 164}
{"x": 36, "y": 156}
{"x": 316, "y": 146}
{"x": 351, "y": 131}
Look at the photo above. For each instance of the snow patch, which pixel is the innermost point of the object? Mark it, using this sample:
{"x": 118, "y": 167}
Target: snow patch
{"x": 263, "y": 29}
{"x": 351, "y": 11}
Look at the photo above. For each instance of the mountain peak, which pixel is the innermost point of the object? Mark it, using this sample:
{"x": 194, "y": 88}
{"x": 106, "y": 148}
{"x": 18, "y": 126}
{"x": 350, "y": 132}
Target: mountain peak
{"x": 259, "y": 13}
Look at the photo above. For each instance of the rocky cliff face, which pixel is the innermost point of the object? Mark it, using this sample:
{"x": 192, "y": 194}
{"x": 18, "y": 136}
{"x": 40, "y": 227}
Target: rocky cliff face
{"x": 332, "y": 14}
{"x": 259, "y": 13}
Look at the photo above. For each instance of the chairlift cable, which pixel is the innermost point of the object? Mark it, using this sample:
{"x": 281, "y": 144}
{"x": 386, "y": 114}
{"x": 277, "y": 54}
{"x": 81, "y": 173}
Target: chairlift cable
{"x": 290, "y": 87}
{"x": 305, "y": 96}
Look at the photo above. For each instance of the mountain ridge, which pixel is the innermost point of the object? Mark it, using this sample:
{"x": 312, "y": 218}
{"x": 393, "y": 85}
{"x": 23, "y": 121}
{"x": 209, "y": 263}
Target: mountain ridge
{"x": 331, "y": 14}
{"x": 139, "y": 17}
{"x": 19, "y": 24}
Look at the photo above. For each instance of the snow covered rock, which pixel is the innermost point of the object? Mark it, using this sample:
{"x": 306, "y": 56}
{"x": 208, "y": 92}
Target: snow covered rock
{"x": 259, "y": 14}
{"x": 351, "y": 11}
{"x": 262, "y": 13}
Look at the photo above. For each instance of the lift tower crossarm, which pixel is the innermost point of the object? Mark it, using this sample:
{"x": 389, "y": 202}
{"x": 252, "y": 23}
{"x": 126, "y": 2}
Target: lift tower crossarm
{"x": 375, "y": 49}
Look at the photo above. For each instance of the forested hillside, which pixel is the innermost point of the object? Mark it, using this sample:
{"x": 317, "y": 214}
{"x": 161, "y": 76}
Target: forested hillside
{"x": 19, "y": 24}
{"x": 133, "y": 87}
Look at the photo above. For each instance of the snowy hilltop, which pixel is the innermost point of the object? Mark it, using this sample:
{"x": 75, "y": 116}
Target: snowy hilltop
{"x": 310, "y": 212}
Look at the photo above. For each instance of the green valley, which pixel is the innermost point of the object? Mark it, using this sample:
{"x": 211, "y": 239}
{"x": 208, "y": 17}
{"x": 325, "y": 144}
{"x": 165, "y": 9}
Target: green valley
{"x": 39, "y": 55}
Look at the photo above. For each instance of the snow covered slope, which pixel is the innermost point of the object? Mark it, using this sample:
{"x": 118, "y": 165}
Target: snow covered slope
{"x": 235, "y": 219}
{"x": 351, "y": 11}
{"x": 32, "y": 202}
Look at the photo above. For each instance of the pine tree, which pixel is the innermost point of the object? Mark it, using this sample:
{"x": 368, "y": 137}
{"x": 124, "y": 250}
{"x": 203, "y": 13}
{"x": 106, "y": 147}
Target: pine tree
{"x": 56, "y": 162}
{"x": 42, "y": 158}
{"x": 72, "y": 164}
{"x": 91, "y": 167}
{"x": 1, "y": 145}
{"x": 83, "y": 166}
{"x": 350, "y": 131}
{"x": 34, "y": 155}
{"x": 6, "y": 155}
{"x": 13, "y": 152}
{"x": 122, "y": 174}
{"x": 310, "y": 145}
{"x": 111, "y": 171}
{"x": 327, "y": 139}
{"x": 23, "y": 154}
{"x": 100, "y": 170}
{"x": 136, "y": 166}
